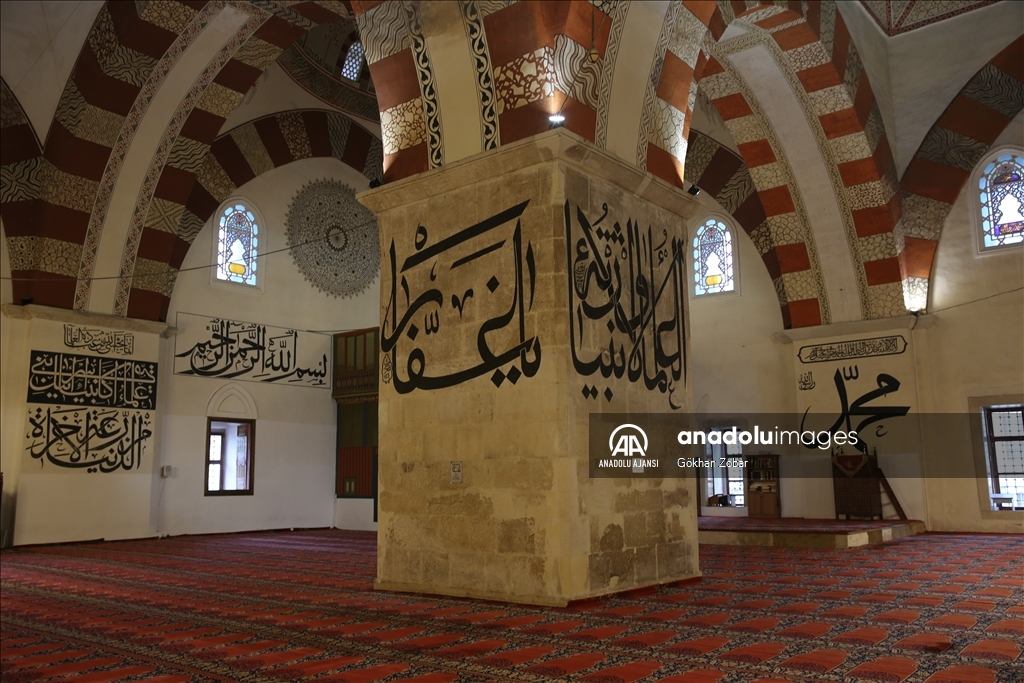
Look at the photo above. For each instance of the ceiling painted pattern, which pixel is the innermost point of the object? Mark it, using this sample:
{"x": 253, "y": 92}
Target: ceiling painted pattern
{"x": 528, "y": 60}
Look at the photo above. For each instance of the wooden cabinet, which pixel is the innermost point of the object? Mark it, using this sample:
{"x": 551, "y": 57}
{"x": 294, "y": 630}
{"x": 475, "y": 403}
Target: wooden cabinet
{"x": 762, "y": 480}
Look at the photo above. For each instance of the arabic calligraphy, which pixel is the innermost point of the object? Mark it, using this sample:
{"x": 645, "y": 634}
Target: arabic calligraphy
{"x": 94, "y": 439}
{"x": 626, "y": 313}
{"x": 99, "y": 341}
{"x": 859, "y": 408}
{"x": 229, "y": 349}
{"x": 472, "y": 290}
{"x": 860, "y": 348}
{"x": 806, "y": 382}
{"x": 72, "y": 379}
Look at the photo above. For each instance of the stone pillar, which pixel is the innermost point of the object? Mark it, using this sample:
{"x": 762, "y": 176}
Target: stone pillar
{"x": 515, "y": 301}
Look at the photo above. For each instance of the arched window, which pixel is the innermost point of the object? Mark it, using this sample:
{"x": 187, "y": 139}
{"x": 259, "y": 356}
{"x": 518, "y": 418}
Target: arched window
{"x": 1001, "y": 198}
{"x": 237, "y": 244}
{"x": 353, "y": 62}
{"x": 713, "y": 258}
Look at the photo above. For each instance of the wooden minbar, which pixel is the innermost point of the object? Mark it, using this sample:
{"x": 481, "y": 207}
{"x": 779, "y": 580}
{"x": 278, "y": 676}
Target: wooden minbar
{"x": 855, "y": 482}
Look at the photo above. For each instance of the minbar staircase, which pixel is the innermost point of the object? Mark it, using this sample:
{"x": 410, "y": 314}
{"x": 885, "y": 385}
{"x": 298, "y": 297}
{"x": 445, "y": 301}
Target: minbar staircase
{"x": 890, "y": 503}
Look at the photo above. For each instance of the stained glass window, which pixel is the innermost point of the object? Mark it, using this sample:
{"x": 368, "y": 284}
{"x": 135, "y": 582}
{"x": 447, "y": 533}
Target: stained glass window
{"x": 237, "y": 241}
{"x": 1001, "y": 191}
{"x": 713, "y": 258}
{"x": 353, "y": 62}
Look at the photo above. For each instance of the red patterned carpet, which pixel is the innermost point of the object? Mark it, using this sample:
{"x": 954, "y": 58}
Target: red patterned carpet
{"x": 290, "y": 606}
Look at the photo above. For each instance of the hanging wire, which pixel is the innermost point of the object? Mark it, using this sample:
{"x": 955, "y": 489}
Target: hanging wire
{"x": 182, "y": 270}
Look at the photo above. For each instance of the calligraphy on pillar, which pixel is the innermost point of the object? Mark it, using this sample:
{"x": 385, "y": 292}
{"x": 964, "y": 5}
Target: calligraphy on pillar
{"x": 77, "y": 380}
{"x": 457, "y": 307}
{"x": 92, "y": 439}
{"x": 99, "y": 341}
{"x": 626, "y": 317}
{"x": 232, "y": 349}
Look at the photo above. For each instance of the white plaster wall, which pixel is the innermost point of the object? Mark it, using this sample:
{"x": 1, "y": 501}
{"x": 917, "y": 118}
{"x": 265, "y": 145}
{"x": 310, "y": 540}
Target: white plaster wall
{"x": 976, "y": 345}
{"x": 14, "y": 371}
{"x": 737, "y": 365}
{"x": 960, "y": 274}
{"x": 354, "y": 513}
{"x": 295, "y": 436}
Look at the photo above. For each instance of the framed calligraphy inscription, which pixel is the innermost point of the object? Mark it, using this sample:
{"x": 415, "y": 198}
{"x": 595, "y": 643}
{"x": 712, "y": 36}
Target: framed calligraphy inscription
{"x": 232, "y": 349}
{"x": 858, "y": 348}
{"x": 76, "y": 380}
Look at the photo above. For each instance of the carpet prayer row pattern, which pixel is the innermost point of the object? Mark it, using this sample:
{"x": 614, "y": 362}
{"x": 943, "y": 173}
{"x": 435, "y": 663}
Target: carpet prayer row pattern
{"x": 300, "y": 606}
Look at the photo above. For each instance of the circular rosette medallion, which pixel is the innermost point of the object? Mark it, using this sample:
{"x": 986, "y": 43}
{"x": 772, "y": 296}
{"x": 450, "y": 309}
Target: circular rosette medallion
{"x": 333, "y": 238}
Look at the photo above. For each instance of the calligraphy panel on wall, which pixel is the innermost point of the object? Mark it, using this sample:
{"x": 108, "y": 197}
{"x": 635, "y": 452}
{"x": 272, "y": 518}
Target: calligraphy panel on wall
{"x": 99, "y": 341}
{"x": 860, "y": 384}
{"x": 230, "y": 349}
{"x": 87, "y": 412}
{"x": 866, "y": 386}
{"x": 77, "y": 380}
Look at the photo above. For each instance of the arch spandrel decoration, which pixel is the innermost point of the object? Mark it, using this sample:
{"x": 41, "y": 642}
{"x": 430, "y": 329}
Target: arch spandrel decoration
{"x": 129, "y": 52}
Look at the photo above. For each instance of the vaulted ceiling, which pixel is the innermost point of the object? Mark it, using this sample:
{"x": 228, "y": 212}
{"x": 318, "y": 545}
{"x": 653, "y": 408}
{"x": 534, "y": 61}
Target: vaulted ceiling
{"x": 125, "y": 124}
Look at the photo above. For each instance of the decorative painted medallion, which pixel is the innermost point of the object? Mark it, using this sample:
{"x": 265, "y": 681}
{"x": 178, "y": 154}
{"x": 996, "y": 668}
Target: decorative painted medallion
{"x": 333, "y": 238}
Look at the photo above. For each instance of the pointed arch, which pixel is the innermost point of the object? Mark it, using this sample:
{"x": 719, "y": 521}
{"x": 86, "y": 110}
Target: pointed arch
{"x": 127, "y": 55}
{"x": 21, "y": 162}
{"x": 235, "y": 158}
{"x": 951, "y": 149}
{"x": 232, "y": 401}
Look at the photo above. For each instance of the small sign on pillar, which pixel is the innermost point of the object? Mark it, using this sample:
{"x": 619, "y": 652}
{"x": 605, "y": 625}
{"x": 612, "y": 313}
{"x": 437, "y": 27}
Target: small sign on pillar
{"x": 456, "y": 472}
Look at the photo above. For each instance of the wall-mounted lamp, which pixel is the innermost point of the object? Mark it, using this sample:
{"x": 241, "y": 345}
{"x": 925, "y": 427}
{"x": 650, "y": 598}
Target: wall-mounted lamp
{"x": 694, "y": 190}
{"x": 556, "y": 119}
